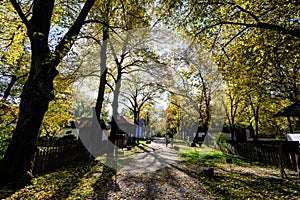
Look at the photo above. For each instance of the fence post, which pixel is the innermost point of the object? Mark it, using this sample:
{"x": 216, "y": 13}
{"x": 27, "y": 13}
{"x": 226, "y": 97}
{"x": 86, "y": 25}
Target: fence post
{"x": 283, "y": 174}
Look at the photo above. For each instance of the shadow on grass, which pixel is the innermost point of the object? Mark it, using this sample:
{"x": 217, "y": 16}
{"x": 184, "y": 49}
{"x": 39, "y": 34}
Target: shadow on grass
{"x": 71, "y": 179}
{"x": 58, "y": 183}
{"x": 249, "y": 186}
{"x": 239, "y": 185}
{"x": 227, "y": 184}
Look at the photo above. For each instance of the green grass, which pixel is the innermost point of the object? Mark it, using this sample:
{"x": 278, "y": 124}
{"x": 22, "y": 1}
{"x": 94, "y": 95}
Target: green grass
{"x": 210, "y": 157}
{"x": 79, "y": 180}
{"x": 143, "y": 143}
{"x": 242, "y": 179}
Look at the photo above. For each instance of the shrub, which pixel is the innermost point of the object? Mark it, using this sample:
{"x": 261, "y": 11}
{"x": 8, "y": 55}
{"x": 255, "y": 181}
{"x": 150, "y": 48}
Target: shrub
{"x": 222, "y": 142}
{"x": 5, "y": 138}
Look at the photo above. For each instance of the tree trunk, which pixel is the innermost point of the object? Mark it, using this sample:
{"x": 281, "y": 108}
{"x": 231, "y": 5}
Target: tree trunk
{"x": 114, "y": 125}
{"x": 38, "y": 90}
{"x": 115, "y": 105}
{"x": 232, "y": 125}
{"x": 35, "y": 98}
{"x": 256, "y": 118}
{"x": 8, "y": 89}
{"x": 103, "y": 73}
{"x": 290, "y": 124}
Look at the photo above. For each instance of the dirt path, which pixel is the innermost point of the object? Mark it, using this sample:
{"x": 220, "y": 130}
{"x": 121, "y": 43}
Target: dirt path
{"x": 157, "y": 173}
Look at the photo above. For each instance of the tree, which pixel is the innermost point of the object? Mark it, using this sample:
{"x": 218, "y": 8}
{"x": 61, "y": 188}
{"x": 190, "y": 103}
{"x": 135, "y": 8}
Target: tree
{"x": 112, "y": 17}
{"x": 278, "y": 17}
{"x": 125, "y": 59}
{"x": 173, "y": 112}
{"x": 249, "y": 65}
{"x": 234, "y": 104}
{"x": 38, "y": 89}
{"x": 256, "y": 42}
{"x": 137, "y": 92}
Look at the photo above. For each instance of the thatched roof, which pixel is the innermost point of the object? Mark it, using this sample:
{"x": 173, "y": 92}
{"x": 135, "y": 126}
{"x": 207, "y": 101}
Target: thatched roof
{"x": 290, "y": 111}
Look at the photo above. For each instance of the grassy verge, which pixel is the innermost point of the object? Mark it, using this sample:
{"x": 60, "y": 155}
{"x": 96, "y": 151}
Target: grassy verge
{"x": 241, "y": 179}
{"x": 79, "y": 180}
{"x": 84, "y": 180}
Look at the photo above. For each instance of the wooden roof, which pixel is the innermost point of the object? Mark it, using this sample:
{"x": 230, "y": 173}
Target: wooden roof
{"x": 290, "y": 111}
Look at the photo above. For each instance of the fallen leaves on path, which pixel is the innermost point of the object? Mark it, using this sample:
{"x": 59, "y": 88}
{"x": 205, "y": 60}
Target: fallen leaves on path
{"x": 165, "y": 183}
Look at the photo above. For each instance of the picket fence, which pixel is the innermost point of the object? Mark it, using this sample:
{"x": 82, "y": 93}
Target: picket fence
{"x": 51, "y": 155}
{"x": 276, "y": 153}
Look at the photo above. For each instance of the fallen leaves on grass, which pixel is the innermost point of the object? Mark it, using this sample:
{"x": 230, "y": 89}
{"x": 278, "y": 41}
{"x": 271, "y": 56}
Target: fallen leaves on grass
{"x": 242, "y": 179}
{"x": 66, "y": 183}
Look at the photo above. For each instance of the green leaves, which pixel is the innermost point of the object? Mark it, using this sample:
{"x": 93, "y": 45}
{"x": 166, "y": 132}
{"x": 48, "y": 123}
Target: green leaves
{"x": 5, "y": 137}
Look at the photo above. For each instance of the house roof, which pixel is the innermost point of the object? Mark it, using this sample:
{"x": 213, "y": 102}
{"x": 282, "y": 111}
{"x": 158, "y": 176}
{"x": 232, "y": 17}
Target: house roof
{"x": 290, "y": 111}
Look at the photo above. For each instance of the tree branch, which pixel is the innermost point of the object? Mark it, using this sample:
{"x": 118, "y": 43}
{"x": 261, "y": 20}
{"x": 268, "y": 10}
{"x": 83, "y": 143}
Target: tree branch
{"x": 110, "y": 86}
{"x": 294, "y": 32}
{"x": 134, "y": 63}
{"x": 20, "y": 13}
{"x": 90, "y": 37}
{"x": 115, "y": 80}
{"x": 67, "y": 41}
{"x": 248, "y": 12}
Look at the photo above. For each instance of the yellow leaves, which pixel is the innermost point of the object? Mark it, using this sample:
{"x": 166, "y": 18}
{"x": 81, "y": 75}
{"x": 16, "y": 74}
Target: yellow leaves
{"x": 257, "y": 59}
{"x": 60, "y": 109}
{"x": 75, "y": 181}
{"x": 13, "y": 36}
{"x": 8, "y": 112}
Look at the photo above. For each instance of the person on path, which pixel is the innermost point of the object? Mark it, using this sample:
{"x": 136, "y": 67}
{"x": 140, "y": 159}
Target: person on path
{"x": 167, "y": 139}
{"x": 172, "y": 140}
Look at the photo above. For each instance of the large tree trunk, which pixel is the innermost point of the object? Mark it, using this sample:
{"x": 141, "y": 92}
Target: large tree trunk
{"x": 38, "y": 90}
{"x": 103, "y": 73}
{"x": 35, "y": 98}
{"x": 110, "y": 159}
{"x": 115, "y": 106}
{"x": 232, "y": 128}
{"x": 103, "y": 56}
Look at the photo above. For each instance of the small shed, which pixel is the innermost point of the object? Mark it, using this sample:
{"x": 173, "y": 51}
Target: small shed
{"x": 290, "y": 111}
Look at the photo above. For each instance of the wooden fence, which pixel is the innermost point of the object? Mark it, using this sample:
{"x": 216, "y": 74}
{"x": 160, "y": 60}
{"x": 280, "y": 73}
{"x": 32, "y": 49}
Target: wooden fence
{"x": 277, "y": 153}
{"x": 52, "y": 155}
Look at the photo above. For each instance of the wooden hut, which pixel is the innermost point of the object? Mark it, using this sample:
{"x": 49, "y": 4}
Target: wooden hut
{"x": 290, "y": 111}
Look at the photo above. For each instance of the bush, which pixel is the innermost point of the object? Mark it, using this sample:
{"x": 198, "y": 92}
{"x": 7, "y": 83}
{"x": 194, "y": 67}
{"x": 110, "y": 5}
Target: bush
{"x": 222, "y": 142}
{"x": 5, "y": 138}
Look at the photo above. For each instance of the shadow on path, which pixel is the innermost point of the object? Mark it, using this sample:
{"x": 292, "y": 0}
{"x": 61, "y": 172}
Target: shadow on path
{"x": 157, "y": 174}
{"x": 105, "y": 183}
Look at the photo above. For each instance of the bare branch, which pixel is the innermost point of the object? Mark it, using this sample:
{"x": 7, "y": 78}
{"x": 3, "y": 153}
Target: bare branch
{"x": 115, "y": 80}
{"x": 90, "y": 37}
{"x": 20, "y": 13}
{"x": 67, "y": 41}
{"x": 134, "y": 63}
{"x": 110, "y": 86}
